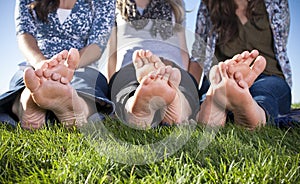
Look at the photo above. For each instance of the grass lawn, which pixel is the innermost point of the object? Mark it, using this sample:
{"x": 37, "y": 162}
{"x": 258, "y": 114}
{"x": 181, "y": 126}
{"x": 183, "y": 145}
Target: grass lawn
{"x": 114, "y": 153}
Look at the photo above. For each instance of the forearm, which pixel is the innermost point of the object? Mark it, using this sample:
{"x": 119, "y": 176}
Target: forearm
{"x": 29, "y": 48}
{"x": 195, "y": 70}
{"x": 112, "y": 54}
{"x": 183, "y": 49}
{"x": 89, "y": 54}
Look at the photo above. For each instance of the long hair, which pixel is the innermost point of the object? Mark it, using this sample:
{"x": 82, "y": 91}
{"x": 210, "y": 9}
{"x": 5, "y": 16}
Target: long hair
{"x": 43, "y": 8}
{"x": 177, "y": 7}
{"x": 224, "y": 19}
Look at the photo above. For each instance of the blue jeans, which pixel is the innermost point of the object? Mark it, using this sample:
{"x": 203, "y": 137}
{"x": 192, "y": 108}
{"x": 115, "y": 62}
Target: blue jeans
{"x": 89, "y": 83}
{"x": 273, "y": 94}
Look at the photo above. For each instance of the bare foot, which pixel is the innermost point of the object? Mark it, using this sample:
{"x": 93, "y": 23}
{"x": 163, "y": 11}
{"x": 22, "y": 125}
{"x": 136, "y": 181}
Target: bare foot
{"x": 211, "y": 113}
{"x": 250, "y": 65}
{"x": 61, "y": 67}
{"x": 156, "y": 91}
{"x": 60, "y": 98}
{"x": 145, "y": 62}
{"x": 239, "y": 100}
{"x": 53, "y": 92}
{"x": 29, "y": 113}
{"x": 179, "y": 109}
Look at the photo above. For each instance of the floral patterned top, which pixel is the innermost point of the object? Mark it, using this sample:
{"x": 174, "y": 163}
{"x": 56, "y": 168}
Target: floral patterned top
{"x": 90, "y": 22}
{"x": 279, "y": 18}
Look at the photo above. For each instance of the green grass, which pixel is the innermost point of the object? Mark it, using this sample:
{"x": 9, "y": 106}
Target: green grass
{"x": 118, "y": 154}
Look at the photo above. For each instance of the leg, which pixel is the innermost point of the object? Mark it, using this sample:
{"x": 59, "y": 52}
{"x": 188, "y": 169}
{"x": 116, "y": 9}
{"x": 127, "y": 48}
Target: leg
{"x": 52, "y": 94}
{"x": 239, "y": 100}
{"x": 156, "y": 91}
{"x": 60, "y": 98}
{"x": 273, "y": 94}
{"x": 211, "y": 113}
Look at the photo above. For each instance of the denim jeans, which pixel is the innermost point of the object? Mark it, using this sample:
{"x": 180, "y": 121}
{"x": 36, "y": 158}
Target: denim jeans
{"x": 89, "y": 83}
{"x": 273, "y": 94}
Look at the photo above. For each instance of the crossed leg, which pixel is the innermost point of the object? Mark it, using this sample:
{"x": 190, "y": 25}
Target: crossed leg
{"x": 49, "y": 88}
{"x": 239, "y": 100}
{"x": 31, "y": 115}
{"x": 248, "y": 65}
{"x": 158, "y": 90}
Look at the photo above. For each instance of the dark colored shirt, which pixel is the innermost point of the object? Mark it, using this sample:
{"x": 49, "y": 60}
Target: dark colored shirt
{"x": 253, "y": 35}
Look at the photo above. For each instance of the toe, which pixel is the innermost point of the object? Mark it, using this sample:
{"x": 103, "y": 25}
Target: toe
{"x": 73, "y": 58}
{"x": 31, "y": 80}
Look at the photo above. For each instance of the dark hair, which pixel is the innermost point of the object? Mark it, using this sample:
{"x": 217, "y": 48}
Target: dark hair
{"x": 43, "y": 8}
{"x": 224, "y": 19}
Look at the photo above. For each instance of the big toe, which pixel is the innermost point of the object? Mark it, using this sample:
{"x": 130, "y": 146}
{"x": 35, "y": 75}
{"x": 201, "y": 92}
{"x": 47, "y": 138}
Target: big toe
{"x": 73, "y": 58}
{"x": 32, "y": 82}
{"x": 136, "y": 59}
{"x": 214, "y": 75}
{"x": 259, "y": 65}
{"x": 257, "y": 68}
{"x": 175, "y": 76}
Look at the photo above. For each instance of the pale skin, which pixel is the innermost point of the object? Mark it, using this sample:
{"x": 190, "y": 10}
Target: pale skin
{"x": 229, "y": 90}
{"x": 49, "y": 89}
{"x": 115, "y": 64}
{"x": 54, "y": 75}
{"x": 230, "y": 87}
{"x": 158, "y": 89}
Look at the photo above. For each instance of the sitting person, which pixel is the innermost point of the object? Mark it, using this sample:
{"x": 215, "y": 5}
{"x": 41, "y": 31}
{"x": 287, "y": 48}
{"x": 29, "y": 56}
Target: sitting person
{"x": 148, "y": 92}
{"x": 157, "y": 26}
{"x": 229, "y": 91}
{"x": 247, "y": 25}
{"x": 60, "y": 85}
